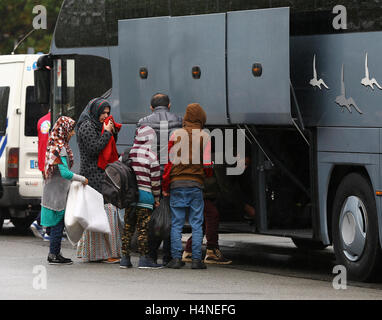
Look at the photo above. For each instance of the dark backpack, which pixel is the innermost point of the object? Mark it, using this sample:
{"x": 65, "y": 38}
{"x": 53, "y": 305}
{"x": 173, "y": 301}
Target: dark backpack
{"x": 120, "y": 185}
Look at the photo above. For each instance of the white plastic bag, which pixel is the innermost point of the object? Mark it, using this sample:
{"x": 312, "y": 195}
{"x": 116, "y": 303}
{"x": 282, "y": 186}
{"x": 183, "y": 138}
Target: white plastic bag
{"x": 91, "y": 213}
{"x": 84, "y": 211}
{"x": 74, "y": 230}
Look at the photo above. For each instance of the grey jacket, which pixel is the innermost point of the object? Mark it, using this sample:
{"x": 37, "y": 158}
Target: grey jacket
{"x": 153, "y": 120}
{"x": 56, "y": 188}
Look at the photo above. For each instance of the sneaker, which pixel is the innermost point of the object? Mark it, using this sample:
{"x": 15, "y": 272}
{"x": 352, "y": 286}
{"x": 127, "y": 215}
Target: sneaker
{"x": 125, "y": 262}
{"x": 175, "y": 263}
{"x": 58, "y": 259}
{"x": 215, "y": 257}
{"x": 198, "y": 264}
{"x": 187, "y": 256}
{"x": 145, "y": 262}
{"x": 37, "y": 230}
{"x": 46, "y": 237}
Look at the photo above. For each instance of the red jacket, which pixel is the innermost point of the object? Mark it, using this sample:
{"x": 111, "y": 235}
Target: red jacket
{"x": 109, "y": 154}
{"x": 43, "y": 127}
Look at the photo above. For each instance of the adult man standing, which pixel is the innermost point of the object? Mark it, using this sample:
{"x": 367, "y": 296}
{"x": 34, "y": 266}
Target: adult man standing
{"x": 43, "y": 128}
{"x": 163, "y": 122}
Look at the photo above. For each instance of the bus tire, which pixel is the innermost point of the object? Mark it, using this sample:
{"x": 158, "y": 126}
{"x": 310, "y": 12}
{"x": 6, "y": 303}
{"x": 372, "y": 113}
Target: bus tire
{"x": 308, "y": 244}
{"x": 355, "y": 228}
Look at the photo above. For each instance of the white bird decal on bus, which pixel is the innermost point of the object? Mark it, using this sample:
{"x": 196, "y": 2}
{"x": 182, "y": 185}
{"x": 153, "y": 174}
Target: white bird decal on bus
{"x": 367, "y": 81}
{"x": 315, "y": 82}
{"x": 344, "y": 102}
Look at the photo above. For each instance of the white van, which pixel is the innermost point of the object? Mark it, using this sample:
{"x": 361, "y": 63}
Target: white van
{"x": 19, "y": 114}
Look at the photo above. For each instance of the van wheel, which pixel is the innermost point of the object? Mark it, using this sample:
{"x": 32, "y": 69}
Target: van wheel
{"x": 355, "y": 228}
{"x": 22, "y": 224}
{"x": 308, "y": 244}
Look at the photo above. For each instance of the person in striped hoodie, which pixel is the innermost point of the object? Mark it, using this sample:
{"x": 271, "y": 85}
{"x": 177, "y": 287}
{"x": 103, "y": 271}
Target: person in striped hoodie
{"x": 147, "y": 170}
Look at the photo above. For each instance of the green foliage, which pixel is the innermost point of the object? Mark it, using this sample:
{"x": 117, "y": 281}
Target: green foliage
{"x": 16, "y": 18}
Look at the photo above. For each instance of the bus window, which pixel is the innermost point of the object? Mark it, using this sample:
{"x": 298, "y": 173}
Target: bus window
{"x": 4, "y": 97}
{"x": 77, "y": 81}
{"x": 121, "y": 9}
{"x": 81, "y": 24}
{"x": 96, "y": 25}
{"x": 33, "y": 112}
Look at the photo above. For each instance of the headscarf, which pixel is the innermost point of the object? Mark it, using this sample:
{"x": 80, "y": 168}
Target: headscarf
{"x": 92, "y": 112}
{"x": 58, "y": 139}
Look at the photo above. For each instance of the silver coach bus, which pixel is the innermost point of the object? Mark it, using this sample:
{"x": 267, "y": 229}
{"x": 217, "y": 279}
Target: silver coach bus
{"x": 301, "y": 78}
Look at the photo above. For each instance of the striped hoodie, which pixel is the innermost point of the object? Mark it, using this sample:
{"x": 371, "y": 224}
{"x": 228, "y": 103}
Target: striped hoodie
{"x": 145, "y": 162}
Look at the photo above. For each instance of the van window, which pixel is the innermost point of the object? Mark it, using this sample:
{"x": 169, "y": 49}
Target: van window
{"x": 33, "y": 112}
{"x": 4, "y": 97}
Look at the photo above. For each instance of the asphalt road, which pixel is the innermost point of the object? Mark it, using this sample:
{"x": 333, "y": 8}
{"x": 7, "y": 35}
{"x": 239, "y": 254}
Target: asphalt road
{"x": 263, "y": 268}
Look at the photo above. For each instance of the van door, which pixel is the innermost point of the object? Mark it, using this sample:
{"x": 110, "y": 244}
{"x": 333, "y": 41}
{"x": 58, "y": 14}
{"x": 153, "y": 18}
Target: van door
{"x": 258, "y": 66}
{"x": 10, "y": 87}
{"x": 30, "y": 177}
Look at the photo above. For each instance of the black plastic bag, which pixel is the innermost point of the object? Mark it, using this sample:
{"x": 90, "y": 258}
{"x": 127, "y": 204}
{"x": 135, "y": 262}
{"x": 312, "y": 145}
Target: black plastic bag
{"x": 160, "y": 222}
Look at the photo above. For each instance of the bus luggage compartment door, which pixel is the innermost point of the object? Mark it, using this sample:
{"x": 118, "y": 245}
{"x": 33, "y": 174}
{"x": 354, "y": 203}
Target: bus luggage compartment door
{"x": 197, "y": 67}
{"x": 258, "y": 66}
{"x": 143, "y": 64}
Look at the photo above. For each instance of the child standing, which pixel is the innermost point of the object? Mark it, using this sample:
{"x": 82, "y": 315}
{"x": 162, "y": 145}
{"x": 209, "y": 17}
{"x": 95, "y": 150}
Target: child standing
{"x": 183, "y": 180}
{"x": 147, "y": 170}
{"x": 59, "y": 160}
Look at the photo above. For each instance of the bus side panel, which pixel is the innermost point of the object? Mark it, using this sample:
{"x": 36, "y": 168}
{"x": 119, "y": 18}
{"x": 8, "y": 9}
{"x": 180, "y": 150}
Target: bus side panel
{"x": 258, "y": 36}
{"x": 329, "y": 73}
{"x": 143, "y": 43}
{"x": 199, "y": 41}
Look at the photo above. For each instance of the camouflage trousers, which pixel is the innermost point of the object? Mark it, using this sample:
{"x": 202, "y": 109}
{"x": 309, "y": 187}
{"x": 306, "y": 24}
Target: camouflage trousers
{"x": 136, "y": 218}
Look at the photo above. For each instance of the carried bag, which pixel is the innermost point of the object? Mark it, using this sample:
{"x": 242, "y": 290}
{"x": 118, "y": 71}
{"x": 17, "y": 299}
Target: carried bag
{"x": 74, "y": 229}
{"x": 92, "y": 215}
{"x": 84, "y": 211}
{"x": 160, "y": 221}
{"x": 120, "y": 185}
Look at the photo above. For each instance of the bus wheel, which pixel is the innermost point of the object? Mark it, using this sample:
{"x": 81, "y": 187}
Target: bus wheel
{"x": 355, "y": 228}
{"x": 308, "y": 244}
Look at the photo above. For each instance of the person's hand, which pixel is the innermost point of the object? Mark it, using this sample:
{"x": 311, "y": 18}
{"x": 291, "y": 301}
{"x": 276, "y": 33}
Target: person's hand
{"x": 165, "y": 194}
{"x": 109, "y": 127}
{"x": 156, "y": 204}
{"x": 86, "y": 182}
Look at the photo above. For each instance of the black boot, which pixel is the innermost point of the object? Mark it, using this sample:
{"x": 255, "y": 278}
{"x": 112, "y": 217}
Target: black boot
{"x": 58, "y": 259}
{"x": 175, "y": 264}
{"x": 198, "y": 264}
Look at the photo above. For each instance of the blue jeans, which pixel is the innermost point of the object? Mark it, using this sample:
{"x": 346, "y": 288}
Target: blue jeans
{"x": 56, "y": 237}
{"x": 180, "y": 200}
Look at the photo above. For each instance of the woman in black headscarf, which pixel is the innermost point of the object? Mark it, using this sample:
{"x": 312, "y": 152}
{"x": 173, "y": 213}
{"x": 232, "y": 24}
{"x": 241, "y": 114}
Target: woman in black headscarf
{"x": 91, "y": 141}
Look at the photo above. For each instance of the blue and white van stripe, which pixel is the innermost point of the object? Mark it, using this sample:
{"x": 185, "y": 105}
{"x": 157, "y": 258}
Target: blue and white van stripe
{"x": 3, "y": 140}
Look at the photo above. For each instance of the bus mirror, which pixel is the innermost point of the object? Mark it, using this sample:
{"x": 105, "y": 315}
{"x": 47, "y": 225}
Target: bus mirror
{"x": 42, "y": 85}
